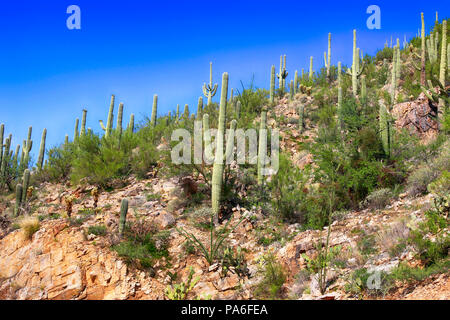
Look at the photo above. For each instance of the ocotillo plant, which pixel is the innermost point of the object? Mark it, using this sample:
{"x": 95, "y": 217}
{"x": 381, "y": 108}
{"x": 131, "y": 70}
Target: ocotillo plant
{"x": 262, "y": 147}
{"x": 26, "y": 183}
{"x": 83, "y": 123}
{"x": 272, "y": 85}
{"x": 327, "y": 58}
{"x": 199, "y": 108}
{"x": 209, "y": 90}
{"x": 154, "y": 110}
{"x": 311, "y": 72}
{"x": 218, "y": 167}
{"x": 357, "y": 69}
{"x": 109, "y": 123}
{"x": 19, "y": 192}
{"x": 42, "y": 150}
{"x": 120, "y": 118}
{"x": 123, "y": 216}
{"x": 385, "y": 129}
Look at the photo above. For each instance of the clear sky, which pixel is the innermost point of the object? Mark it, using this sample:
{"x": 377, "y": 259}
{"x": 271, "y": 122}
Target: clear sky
{"x": 135, "y": 49}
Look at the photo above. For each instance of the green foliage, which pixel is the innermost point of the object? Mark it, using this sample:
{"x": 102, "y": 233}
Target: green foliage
{"x": 181, "y": 290}
{"x": 274, "y": 277}
{"x": 99, "y": 230}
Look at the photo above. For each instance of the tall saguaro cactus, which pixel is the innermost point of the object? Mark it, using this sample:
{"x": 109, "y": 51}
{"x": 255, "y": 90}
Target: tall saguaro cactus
{"x": 83, "y": 123}
{"x": 120, "y": 118}
{"x": 272, "y": 85}
{"x": 109, "y": 123}
{"x": 154, "y": 110}
{"x": 357, "y": 69}
{"x": 42, "y": 150}
{"x": 327, "y": 58}
{"x": 339, "y": 105}
{"x": 26, "y": 183}
{"x": 283, "y": 74}
{"x": 76, "y": 132}
{"x": 291, "y": 90}
{"x": 301, "y": 118}
{"x": 262, "y": 146}
{"x": 218, "y": 167}
{"x": 311, "y": 72}
{"x": 443, "y": 66}
{"x": 2, "y": 132}
{"x": 131, "y": 123}
{"x": 27, "y": 148}
{"x": 19, "y": 192}
{"x": 123, "y": 216}
{"x": 394, "y": 75}
{"x": 199, "y": 108}
{"x": 5, "y": 157}
{"x": 422, "y": 54}
{"x": 209, "y": 90}
{"x": 295, "y": 81}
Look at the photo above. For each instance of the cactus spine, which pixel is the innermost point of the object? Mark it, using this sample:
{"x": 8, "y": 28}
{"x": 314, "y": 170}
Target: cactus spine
{"x": 42, "y": 150}
{"x": 356, "y": 70}
{"x": 26, "y": 183}
{"x": 83, "y": 123}
{"x": 209, "y": 90}
{"x": 19, "y": 192}
{"x": 327, "y": 58}
{"x": 262, "y": 147}
{"x": 154, "y": 110}
{"x": 311, "y": 72}
{"x": 218, "y": 159}
{"x": 272, "y": 85}
{"x": 199, "y": 108}
{"x": 123, "y": 216}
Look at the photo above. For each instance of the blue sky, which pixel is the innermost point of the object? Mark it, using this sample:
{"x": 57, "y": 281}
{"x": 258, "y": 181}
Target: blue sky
{"x": 135, "y": 49}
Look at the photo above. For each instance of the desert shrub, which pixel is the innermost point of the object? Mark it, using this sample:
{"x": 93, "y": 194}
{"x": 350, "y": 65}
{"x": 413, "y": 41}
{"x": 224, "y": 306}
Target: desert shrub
{"x": 287, "y": 189}
{"x": 29, "y": 225}
{"x": 378, "y": 199}
{"x": 419, "y": 179}
{"x": 274, "y": 277}
{"x": 99, "y": 230}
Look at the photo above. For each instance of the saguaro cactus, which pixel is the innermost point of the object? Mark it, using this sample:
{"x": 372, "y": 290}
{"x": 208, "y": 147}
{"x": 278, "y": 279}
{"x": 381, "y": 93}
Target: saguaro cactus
{"x": 311, "y": 72}
{"x": 209, "y": 90}
{"x": 363, "y": 89}
{"x": 230, "y": 141}
{"x": 2, "y": 132}
{"x": 154, "y": 110}
{"x": 178, "y": 113}
{"x": 109, "y": 123}
{"x": 262, "y": 146}
{"x": 83, "y": 123}
{"x": 385, "y": 129}
{"x": 120, "y": 118}
{"x": 301, "y": 118}
{"x": 339, "y": 88}
{"x": 357, "y": 69}
{"x": 199, "y": 108}
{"x": 123, "y": 216}
{"x": 394, "y": 75}
{"x": 291, "y": 90}
{"x": 327, "y": 58}
{"x": 238, "y": 109}
{"x": 218, "y": 159}
{"x": 19, "y": 192}
{"x": 5, "y": 157}
{"x": 283, "y": 74}
{"x": 28, "y": 144}
{"x": 272, "y": 85}
{"x": 186, "y": 112}
{"x": 422, "y": 54}
{"x": 443, "y": 66}
{"x": 76, "y": 133}
{"x": 131, "y": 123}
{"x": 398, "y": 62}
{"x": 42, "y": 150}
{"x": 295, "y": 82}
{"x": 26, "y": 183}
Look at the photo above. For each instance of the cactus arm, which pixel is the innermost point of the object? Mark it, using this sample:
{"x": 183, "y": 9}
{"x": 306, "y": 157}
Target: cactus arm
{"x": 102, "y": 125}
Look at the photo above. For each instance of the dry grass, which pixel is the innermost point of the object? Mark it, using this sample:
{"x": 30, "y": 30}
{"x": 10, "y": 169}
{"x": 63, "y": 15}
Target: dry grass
{"x": 29, "y": 225}
{"x": 393, "y": 235}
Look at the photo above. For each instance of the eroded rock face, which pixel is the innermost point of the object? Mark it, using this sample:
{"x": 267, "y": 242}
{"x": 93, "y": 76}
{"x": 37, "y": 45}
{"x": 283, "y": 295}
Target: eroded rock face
{"x": 59, "y": 264}
{"x": 418, "y": 116}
